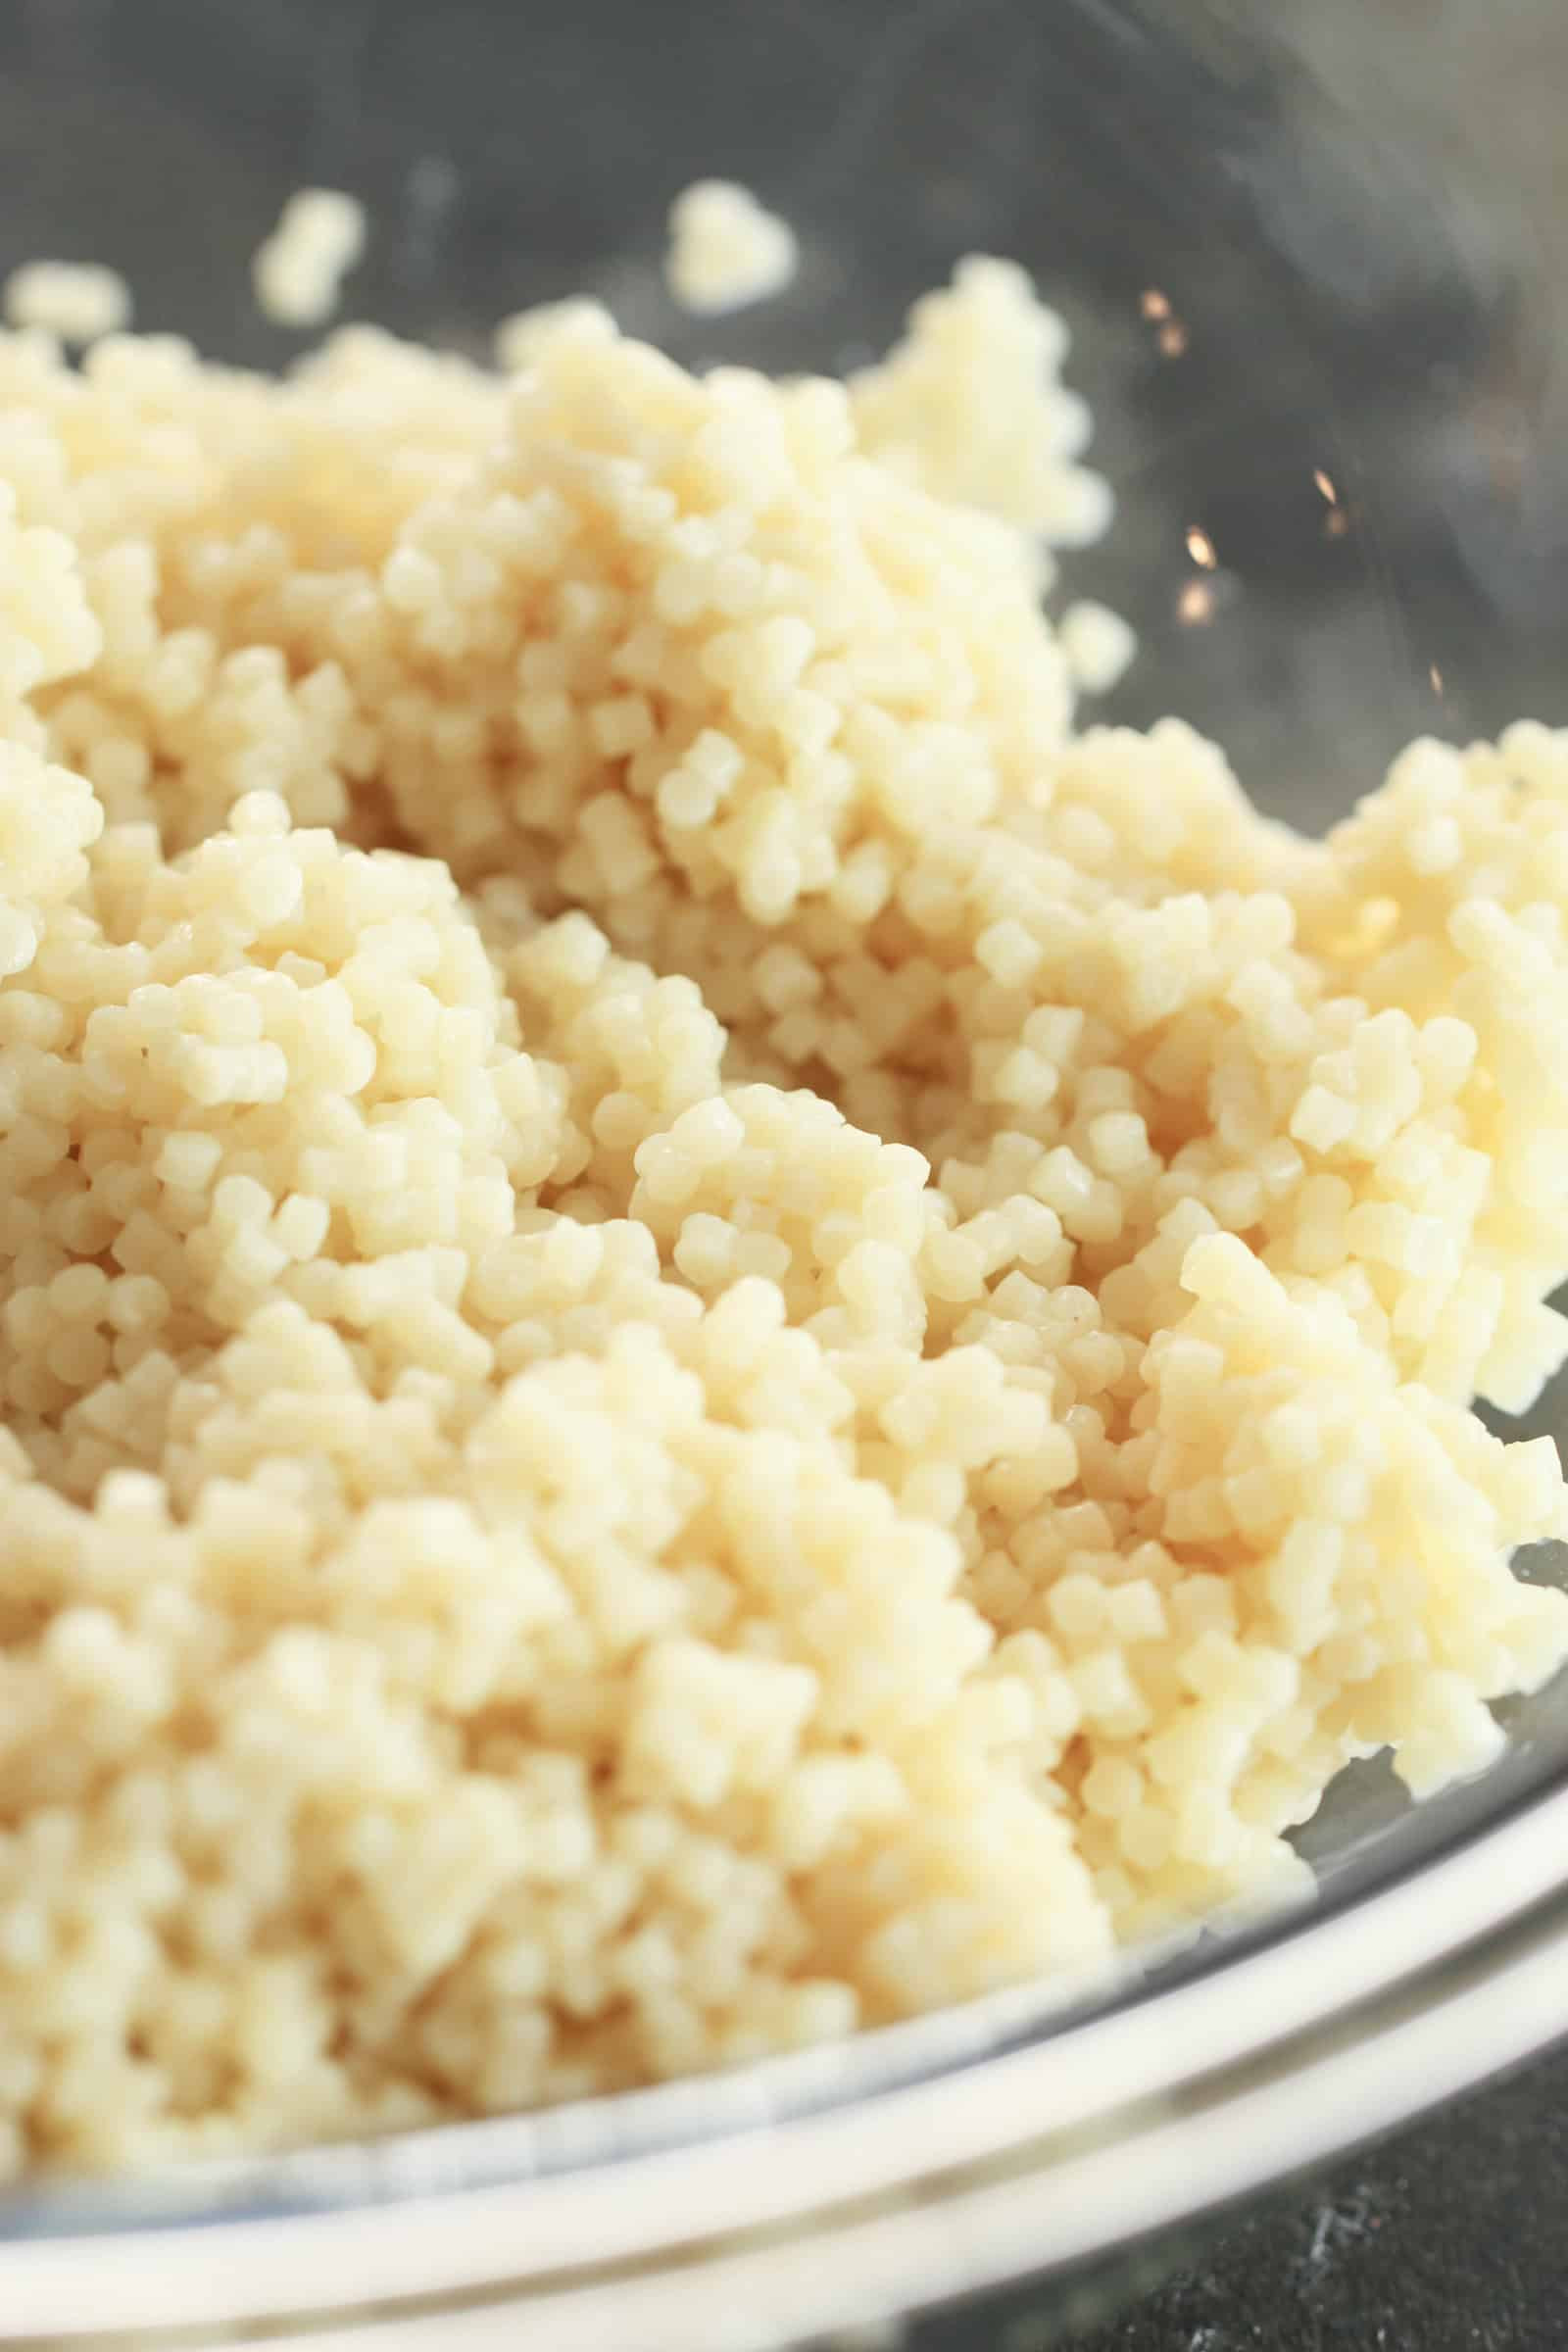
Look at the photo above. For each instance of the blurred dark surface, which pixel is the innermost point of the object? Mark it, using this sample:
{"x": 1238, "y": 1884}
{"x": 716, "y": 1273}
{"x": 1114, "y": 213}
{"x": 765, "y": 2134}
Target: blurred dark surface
{"x": 1451, "y": 2237}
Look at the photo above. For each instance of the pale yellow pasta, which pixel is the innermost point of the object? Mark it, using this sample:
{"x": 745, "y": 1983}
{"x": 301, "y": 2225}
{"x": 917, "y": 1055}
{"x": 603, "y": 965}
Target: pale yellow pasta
{"x": 708, "y": 1332}
{"x": 298, "y": 271}
{"x": 725, "y": 248}
{"x": 77, "y": 300}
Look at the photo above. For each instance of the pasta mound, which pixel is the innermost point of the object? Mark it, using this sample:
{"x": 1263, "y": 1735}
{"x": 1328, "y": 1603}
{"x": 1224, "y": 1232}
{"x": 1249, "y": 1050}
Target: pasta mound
{"x": 708, "y": 1332}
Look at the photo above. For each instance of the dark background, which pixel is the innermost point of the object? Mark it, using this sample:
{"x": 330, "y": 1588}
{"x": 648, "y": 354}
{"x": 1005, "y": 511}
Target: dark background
{"x": 1451, "y": 2237}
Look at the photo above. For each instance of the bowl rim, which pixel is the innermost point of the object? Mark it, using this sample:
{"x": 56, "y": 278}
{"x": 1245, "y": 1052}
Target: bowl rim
{"x": 913, "y": 2167}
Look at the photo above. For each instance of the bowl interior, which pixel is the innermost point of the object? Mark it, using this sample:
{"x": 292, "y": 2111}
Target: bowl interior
{"x": 1296, "y": 334}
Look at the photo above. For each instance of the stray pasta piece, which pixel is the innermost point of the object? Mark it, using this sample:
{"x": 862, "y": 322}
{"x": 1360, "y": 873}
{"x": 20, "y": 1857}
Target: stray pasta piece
{"x": 1098, "y": 644}
{"x": 725, "y": 248}
{"x": 299, "y": 270}
{"x": 77, "y": 300}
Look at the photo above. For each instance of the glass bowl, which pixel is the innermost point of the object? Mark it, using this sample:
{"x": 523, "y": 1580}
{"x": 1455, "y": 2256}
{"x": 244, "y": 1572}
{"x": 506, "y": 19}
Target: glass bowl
{"x": 1308, "y": 277}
